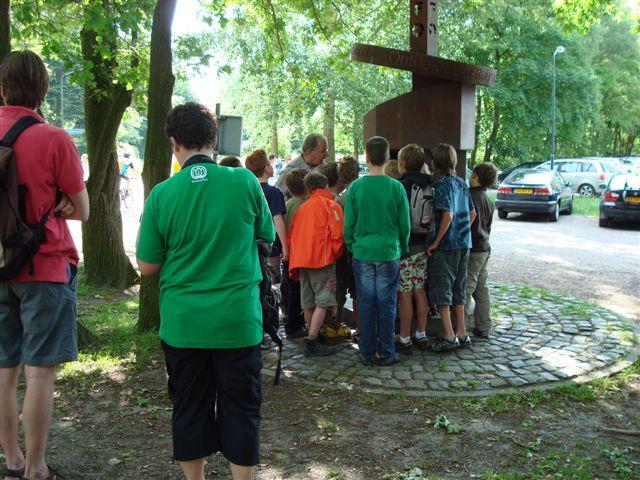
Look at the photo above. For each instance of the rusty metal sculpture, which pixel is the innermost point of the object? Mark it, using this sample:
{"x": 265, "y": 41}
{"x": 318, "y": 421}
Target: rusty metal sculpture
{"x": 441, "y": 107}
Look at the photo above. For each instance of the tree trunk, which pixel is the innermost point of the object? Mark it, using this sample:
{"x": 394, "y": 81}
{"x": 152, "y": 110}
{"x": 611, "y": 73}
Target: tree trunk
{"x": 330, "y": 122}
{"x": 356, "y": 133}
{"x": 488, "y": 151}
{"x": 474, "y": 152}
{"x": 105, "y": 261}
{"x": 5, "y": 28}
{"x": 628, "y": 147}
{"x": 157, "y": 164}
{"x": 615, "y": 147}
{"x": 274, "y": 131}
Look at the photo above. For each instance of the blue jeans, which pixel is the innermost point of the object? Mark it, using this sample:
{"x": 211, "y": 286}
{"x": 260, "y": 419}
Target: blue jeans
{"x": 377, "y": 287}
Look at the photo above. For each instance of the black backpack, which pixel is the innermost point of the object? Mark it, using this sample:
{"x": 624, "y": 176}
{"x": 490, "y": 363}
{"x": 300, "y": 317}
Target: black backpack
{"x": 19, "y": 240}
{"x": 270, "y": 302}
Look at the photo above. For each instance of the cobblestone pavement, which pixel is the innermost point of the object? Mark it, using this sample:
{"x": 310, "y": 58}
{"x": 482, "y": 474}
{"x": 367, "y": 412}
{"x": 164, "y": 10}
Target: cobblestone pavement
{"x": 539, "y": 338}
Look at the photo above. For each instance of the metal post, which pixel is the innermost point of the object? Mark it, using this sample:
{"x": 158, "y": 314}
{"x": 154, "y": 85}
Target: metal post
{"x": 560, "y": 49}
{"x": 62, "y": 97}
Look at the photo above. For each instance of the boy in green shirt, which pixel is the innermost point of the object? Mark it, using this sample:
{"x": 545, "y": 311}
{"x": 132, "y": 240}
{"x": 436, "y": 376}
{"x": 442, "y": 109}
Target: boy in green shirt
{"x": 376, "y": 232}
{"x": 294, "y": 324}
{"x": 205, "y": 249}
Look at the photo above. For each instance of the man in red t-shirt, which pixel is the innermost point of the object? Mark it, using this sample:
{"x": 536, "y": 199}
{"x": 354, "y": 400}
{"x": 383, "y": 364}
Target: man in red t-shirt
{"x": 38, "y": 307}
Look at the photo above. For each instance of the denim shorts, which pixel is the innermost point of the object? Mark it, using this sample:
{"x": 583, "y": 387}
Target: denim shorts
{"x": 38, "y": 323}
{"x": 448, "y": 285}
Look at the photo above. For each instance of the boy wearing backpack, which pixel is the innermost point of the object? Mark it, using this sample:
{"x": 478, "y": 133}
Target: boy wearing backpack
{"x": 413, "y": 266}
{"x": 37, "y": 279}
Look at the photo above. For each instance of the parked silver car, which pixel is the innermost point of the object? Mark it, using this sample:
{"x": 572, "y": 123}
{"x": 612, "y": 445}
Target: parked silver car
{"x": 588, "y": 176}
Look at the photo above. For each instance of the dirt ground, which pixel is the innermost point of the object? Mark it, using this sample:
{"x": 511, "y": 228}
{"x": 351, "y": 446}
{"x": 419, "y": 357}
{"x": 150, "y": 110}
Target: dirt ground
{"x": 117, "y": 426}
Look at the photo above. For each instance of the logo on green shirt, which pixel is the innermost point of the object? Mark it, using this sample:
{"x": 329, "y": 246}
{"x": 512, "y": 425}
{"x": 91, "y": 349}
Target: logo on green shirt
{"x": 198, "y": 174}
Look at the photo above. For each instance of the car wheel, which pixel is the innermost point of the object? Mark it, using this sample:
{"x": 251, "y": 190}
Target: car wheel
{"x": 586, "y": 190}
{"x": 603, "y": 222}
{"x": 502, "y": 214}
{"x": 555, "y": 214}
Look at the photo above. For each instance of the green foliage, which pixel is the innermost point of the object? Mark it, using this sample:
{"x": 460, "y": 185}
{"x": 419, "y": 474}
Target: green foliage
{"x": 443, "y": 422}
{"x": 589, "y": 207}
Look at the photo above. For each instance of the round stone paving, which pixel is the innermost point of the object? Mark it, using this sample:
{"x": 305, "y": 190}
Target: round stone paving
{"x": 539, "y": 339}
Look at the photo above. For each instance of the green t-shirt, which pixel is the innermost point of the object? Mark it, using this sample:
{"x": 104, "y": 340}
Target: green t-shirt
{"x": 201, "y": 225}
{"x": 292, "y": 206}
{"x": 376, "y": 219}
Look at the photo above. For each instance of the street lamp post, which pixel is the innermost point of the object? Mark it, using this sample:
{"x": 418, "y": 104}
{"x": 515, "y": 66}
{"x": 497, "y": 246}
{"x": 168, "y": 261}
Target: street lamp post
{"x": 558, "y": 50}
{"x": 64, "y": 75}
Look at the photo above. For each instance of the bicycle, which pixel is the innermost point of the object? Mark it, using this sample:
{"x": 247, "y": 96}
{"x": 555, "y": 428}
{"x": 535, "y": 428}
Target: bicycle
{"x": 126, "y": 197}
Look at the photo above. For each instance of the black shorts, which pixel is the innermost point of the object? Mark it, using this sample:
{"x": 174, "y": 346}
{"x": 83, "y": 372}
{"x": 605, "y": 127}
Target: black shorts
{"x": 216, "y": 397}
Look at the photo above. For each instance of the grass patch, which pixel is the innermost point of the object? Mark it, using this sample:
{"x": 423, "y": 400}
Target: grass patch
{"x": 112, "y": 318}
{"x": 559, "y": 397}
{"x": 588, "y": 207}
{"x": 553, "y": 465}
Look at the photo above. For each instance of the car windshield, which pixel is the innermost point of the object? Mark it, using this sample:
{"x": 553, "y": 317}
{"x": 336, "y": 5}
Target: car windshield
{"x": 618, "y": 182}
{"x": 609, "y": 167}
{"x": 530, "y": 177}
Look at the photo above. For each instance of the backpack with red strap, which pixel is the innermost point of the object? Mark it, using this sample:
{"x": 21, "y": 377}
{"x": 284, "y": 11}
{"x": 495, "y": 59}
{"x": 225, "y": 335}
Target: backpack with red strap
{"x": 19, "y": 239}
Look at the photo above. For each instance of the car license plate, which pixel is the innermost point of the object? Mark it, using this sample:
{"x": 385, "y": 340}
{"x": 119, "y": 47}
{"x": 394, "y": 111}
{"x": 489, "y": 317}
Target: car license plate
{"x": 634, "y": 200}
{"x": 524, "y": 191}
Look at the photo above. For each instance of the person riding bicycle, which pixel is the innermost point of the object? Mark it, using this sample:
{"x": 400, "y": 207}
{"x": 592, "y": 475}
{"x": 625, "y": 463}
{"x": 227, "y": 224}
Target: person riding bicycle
{"x": 126, "y": 165}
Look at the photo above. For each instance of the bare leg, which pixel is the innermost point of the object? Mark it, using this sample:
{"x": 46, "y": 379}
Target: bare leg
{"x": 193, "y": 469}
{"x": 316, "y": 321}
{"x": 446, "y": 322}
{"x": 242, "y": 473}
{"x": 406, "y": 313}
{"x": 461, "y": 329}
{"x": 9, "y": 418}
{"x": 422, "y": 308}
{"x": 308, "y": 315}
{"x": 36, "y": 418}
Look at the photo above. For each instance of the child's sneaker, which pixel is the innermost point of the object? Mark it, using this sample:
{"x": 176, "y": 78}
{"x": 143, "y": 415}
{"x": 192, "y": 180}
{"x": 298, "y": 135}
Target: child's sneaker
{"x": 444, "y": 345}
{"x": 404, "y": 348}
{"x": 480, "y": 334}
{"x": 422, "y": 343}
{"x": 388, "y": 361}
{"x": 464, "y": 342}
{"x": 313, "y": 348}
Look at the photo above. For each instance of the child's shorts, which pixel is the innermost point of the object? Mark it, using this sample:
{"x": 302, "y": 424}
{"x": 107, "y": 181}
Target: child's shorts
{"x": 318, "y": 287}
{"x": 413, "y": 272}
{"x": 448, "y": 283}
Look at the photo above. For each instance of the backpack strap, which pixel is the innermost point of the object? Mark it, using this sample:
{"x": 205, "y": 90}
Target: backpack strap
{"x": 17, "y": 128}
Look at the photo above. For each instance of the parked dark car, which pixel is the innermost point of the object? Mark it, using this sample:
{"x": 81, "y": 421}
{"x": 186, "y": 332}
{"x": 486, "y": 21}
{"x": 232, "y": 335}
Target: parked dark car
{"x": 509, "y": 171}
{"x": 535, "y": 191}
{"x": 621, "y": 200}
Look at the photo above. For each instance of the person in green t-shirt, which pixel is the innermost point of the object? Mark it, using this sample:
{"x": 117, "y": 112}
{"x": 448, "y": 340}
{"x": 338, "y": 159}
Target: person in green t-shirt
{"x": 204, "y": 247}
{"x": 294, "y": 324}
{"x": 376, "y": 232}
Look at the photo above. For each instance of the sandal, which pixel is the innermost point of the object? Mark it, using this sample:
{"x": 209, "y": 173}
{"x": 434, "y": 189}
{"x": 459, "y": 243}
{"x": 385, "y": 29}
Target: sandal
{"x": 53, "y": 475}
{"x": 8, "y": 472}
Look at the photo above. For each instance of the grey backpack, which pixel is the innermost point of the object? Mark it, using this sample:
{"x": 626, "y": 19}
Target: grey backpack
{"x": 421, "y": 209}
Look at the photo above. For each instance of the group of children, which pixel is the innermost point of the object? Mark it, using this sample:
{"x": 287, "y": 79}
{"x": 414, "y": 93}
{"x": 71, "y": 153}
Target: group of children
{"x": 396, "y": 246}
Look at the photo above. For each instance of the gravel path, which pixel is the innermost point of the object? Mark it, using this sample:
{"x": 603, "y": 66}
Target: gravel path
{"x": 573, "y": 256}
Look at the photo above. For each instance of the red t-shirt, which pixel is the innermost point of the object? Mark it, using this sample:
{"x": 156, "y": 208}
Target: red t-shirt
{"x": 46, "y": 159}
